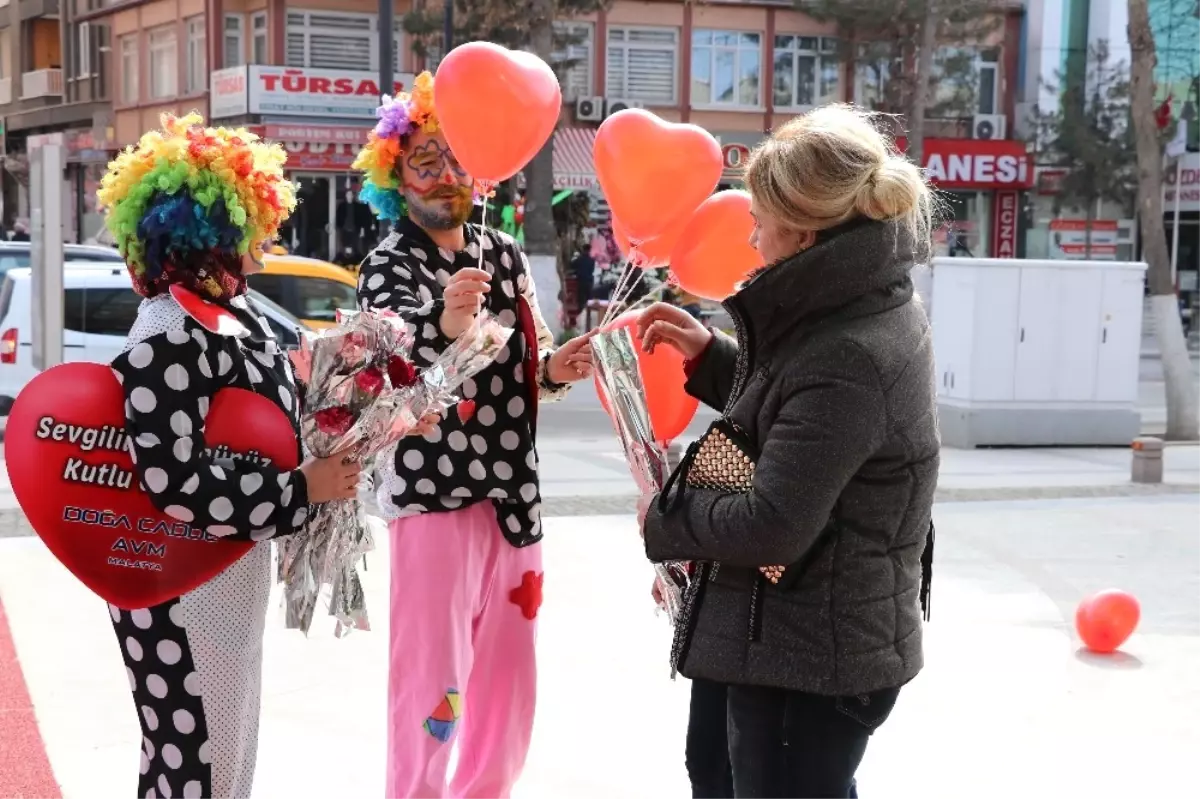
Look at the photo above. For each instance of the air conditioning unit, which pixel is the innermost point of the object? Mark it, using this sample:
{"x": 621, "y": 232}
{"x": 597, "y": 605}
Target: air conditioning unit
{"x": 615, "y": 104}
{"x": 589, "y": 109}
{"x": 989, "y": 126}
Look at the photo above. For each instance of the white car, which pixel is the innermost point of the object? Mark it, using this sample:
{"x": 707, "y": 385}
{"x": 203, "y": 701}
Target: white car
{"x": 99, "y": 308}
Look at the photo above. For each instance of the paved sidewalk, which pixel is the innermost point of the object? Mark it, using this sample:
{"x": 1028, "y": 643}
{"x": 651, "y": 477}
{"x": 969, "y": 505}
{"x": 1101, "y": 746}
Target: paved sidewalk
{"x": 1007, "y": 705}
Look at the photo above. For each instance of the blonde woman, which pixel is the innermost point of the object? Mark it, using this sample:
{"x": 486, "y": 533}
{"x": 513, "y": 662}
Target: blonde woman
{"x": 814, "y": 569}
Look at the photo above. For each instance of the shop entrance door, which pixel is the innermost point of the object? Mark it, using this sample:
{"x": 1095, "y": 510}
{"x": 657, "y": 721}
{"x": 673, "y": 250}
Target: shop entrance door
{"x": 311, "y": 229}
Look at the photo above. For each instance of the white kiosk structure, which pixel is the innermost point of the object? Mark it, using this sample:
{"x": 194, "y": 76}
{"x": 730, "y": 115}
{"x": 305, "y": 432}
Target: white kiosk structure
{"x": 1036, "y": 353}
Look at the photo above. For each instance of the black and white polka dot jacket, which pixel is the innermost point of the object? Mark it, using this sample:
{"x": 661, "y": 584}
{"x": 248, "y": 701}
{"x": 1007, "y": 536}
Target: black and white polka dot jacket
{"x": 484, "y": 449}
{"x": 172, "y": 366}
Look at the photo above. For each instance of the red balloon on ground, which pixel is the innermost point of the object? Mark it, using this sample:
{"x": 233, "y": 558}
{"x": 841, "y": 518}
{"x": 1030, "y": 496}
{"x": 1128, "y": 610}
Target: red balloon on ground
{"x": 1106, "y": 620}
{"x": 653, "y": 172}
{"x": 713, "y": 253}
{"x": 76, "y": 483}
{"x": 496, "y": 106}
{"x": 671, "y": 407}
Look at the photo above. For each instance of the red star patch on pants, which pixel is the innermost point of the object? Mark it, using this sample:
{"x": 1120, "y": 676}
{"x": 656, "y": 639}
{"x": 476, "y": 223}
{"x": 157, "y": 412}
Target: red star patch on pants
{"x": 528, "y": 595}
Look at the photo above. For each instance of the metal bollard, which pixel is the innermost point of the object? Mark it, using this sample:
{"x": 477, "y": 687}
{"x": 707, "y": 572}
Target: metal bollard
{"x": 1147, "y": 464}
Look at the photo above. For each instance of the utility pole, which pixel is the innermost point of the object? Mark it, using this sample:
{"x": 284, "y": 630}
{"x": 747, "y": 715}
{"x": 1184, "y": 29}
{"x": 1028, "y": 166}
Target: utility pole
{"x": 387, "y": 80}
{"x": 448, "y": 29}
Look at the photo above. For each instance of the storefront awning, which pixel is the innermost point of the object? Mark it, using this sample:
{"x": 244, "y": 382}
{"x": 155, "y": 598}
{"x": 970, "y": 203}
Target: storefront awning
{"x": 573, "y": 165}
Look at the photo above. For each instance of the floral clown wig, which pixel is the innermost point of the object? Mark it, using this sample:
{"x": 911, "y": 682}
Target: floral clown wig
{"x": 187, "y": 202}
{"x": 379, "y": 160}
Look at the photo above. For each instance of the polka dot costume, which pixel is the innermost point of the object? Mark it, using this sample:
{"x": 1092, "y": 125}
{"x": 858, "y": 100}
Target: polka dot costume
{"x": 195, "y": 662}
{"x": 485, "y": 450}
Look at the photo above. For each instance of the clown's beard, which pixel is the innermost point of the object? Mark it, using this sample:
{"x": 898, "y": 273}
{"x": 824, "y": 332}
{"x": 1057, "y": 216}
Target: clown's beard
{"x": 440, "y": 214}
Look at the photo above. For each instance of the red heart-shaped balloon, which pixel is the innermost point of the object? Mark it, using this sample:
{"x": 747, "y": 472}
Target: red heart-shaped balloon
{"x": 654, "y": 172}
{"x": 466, "y": 410}
{"x": 713, "y": 254}
{"x": 497, "y": 107}
{"x": 84, "y": 524}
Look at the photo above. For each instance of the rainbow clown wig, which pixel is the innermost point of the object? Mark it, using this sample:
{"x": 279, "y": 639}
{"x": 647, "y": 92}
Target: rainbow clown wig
{"x": 187, "y": 202}
{"x": 379, "y": 160}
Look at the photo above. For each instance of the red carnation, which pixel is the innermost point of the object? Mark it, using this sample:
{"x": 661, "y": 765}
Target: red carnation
{"x": 401, "y": 372}
{"x": 335, "y": 421}
{"x": 369, "y": 381}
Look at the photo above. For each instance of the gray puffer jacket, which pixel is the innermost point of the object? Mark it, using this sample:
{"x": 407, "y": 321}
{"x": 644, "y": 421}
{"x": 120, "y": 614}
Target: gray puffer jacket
{"x": 832, "y": 382}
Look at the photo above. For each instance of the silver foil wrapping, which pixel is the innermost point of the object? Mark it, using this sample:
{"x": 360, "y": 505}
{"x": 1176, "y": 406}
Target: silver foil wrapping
{"x": 620, "y": 378}
{"x": 367, "y": 413}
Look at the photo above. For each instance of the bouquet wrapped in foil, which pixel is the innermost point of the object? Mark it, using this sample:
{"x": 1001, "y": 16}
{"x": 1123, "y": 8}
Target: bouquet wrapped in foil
{"x": 620, "y": 379}
{"x": 364, "y": 394}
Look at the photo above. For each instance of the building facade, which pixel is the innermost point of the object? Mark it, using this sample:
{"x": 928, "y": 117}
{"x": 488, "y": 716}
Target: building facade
{"x": 304, "y": 72}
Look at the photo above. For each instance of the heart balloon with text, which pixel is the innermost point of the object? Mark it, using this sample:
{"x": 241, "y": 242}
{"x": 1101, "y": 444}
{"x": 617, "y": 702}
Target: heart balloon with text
{"x": 653, "y": 172}
{"x": 69, "y": 463}
{"x": 497, "y": 107}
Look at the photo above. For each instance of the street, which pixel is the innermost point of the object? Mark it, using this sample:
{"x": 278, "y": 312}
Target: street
{"x": 1008, "y": 704}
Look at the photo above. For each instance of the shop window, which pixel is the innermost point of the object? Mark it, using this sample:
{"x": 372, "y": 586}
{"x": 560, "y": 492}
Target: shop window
{"x": 259, "y": 52}
{"x": 806, "y": 71}
{"x": 129, "y": 68}
{"x": 234, "y": 47}
{"x": 725, "y": 68}
{"x": 642, "y": 65}
{"x": 966, "y": 81}
{"x": 164, "y": 63}
{"x": 335, "y": 40}
{"x": 573, "y": 58}
{"x": 872, "y": 71}
{"x": 197, "y": 55}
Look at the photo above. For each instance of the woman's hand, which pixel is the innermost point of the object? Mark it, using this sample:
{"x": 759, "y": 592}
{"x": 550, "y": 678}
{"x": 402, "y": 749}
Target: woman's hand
{"x": 331, "y": 478}
{"x": 656, "y": 594}
{"x": 424, "y": 427}
{"x": 463, "y": 299}
{"x": 662, "y": 323}
{"x": 572, "y": 361}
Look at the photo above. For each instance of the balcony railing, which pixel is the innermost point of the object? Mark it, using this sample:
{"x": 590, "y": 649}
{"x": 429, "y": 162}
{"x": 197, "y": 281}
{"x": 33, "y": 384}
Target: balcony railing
{"x": 5, "y": 89}
{"x": 41, "y": 83}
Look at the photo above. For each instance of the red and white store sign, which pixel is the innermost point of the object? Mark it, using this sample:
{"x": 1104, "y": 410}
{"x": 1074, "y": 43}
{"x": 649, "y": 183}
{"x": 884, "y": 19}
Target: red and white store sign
{"x": 262, "y": 89}
{"x": 1069, "y": 238}
{"x": 1189, "y": 183}
{"x": 1005, "y": 233}
{"x": 976, "y": 163}
{"x": 322, "y": 134}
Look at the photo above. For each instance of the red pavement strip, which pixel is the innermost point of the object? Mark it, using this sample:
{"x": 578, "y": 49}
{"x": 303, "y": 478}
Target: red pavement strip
{"x": 25, "y": 771}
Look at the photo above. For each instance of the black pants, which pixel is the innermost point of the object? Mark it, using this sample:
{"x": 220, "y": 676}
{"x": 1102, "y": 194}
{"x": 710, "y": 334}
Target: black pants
{"x": 763, "y": 743}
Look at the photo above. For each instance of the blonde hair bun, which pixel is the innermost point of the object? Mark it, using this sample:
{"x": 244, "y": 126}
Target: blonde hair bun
{"x": 831, "y": 165}
{"x": 893, "y": 191}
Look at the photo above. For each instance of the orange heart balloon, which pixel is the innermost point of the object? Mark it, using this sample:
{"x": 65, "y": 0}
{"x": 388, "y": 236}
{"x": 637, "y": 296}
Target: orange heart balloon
{"x": 713, "y": 254}
{"x": 496, "y": 106}
{"x": 653, "y": 252}
{"x": 671, "y": 407}
{"x": 653, "y": 172}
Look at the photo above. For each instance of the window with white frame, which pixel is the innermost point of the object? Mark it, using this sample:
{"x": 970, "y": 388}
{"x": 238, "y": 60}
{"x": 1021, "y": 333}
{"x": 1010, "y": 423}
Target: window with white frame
{"x": 259, "y": 53}
{"x": 573, "y": 58}
{"x": 872, "y": 71}
{"x": 84, "y": 59}
{"x": 642, "y": 65}
{"x": 233, "y": 51}
{"x": 966, "y": 81}
{"x": 164, "y": 63}
{"x": 726, "y": 68}
{"x": 807, "y": 71}
{"x": 129, "y": 68}
{"x": 196, "y": 72}
{"x": 331, "y": 40}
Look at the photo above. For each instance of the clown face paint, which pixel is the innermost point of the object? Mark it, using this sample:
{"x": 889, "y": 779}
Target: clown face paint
{"x": 437, "y": 188}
